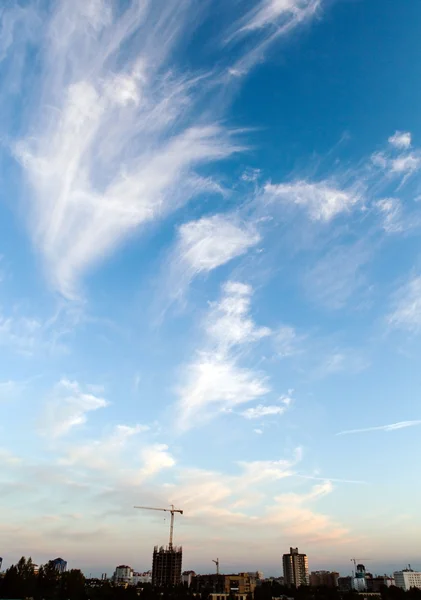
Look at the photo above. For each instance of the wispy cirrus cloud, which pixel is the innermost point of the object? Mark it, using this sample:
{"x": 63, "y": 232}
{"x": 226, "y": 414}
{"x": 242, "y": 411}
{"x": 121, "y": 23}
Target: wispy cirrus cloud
{"x": 322, "y": 200}
{"x": 215, "y": 379}
{"x": 117, "y": 147}
{"x": 270, "y": 410}
{"x": 267, "y": 21}
{"x": 338, "y": 274}
{"x": 406, "y": 313}
{"x": 391, "y": 210}
{"x": 276, "y": 13}
{"x": 117, "y": 134}
{"x": 288, "y": 342}
{"x": 391, "y": 427}
{"x": 68, "y": 407}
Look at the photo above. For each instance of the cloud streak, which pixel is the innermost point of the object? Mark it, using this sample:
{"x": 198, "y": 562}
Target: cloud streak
{"x": 391, "y": 427}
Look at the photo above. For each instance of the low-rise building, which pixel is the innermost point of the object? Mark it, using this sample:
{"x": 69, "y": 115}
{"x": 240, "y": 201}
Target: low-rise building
{"x": 218, "y": 584}
{"x": 140, "y": 578}
{"x": 375, "y": 584}
{"x": 345, "y": 583}
{"x": 407, "y": 579}
{"x": 242, "y": 583}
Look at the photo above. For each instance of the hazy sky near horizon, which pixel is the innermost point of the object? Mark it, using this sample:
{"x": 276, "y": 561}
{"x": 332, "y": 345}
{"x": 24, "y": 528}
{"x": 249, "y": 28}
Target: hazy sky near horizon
{"x": 210, "y": 281}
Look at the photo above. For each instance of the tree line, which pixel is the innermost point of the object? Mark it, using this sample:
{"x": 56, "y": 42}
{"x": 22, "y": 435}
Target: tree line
{"x": 22, "y": 581}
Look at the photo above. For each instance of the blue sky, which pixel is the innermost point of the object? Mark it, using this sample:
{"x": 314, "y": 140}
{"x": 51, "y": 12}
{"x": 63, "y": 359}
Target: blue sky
{"x": 210, "y": 281}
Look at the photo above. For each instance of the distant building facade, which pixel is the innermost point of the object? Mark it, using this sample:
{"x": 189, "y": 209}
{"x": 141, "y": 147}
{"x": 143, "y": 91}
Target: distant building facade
{"x": 187, "y": 577}
{"x": 166, "y": 566}
{"x": 123, "y": 574}
{"x": 324, "y": 578}
{"x": 345, "y": 583}
{"x": 295, "y": 567}
{"x": 375, "y": 584}
{"x": 217, "y": 584}
{"x": 257, "y": 574}
{"x": 407, "y": 579}
{"x": 242, "y": 583}
{"x": 214, "y": 583}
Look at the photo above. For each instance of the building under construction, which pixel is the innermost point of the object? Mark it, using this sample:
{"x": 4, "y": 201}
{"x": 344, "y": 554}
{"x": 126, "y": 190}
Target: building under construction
{"x": 166, "y": 562}
{"x": 166, "y": 565}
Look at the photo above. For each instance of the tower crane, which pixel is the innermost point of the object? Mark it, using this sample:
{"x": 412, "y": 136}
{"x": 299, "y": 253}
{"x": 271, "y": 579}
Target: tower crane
{"x": 171, "y": 510}
{"x": 217, "y": 565}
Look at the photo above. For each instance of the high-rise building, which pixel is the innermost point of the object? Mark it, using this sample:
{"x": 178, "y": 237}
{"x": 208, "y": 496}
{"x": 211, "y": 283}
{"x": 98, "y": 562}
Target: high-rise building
{"x": 324, "y": 578}
{"x": 166, "y": 565}
{"x": 407, "y": 579}
{"x": 295, "y": 568}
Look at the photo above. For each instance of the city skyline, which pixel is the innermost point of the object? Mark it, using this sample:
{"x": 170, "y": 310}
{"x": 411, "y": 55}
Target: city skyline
{"x": 210, "y": 281}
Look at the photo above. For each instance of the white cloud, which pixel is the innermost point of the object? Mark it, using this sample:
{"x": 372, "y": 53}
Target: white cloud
{"x": 407, "y": 310}
{"x": 261, "y": 410}
{"x": 215, "y": 381}
{"x": 155, "y": 458}
{"x": 206, "y": 244}
{"x": 215, "y": 384}
{"x": 404, "y": 164}
{"x": 322, "y": 200}
{"x": 391, "y": 427}
{"x": 391, "y": 210}
{"x": 400, "y": 139}
{"x": 212, "y": 241}
{"x": 228, "y": 323}
{"x": 68, "y": 408}
{"x": 268, "y": 470}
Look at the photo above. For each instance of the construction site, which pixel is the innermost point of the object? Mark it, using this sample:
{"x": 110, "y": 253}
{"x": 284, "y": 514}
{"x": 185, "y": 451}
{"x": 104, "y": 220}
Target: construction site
{"x": 166, "y": 561}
